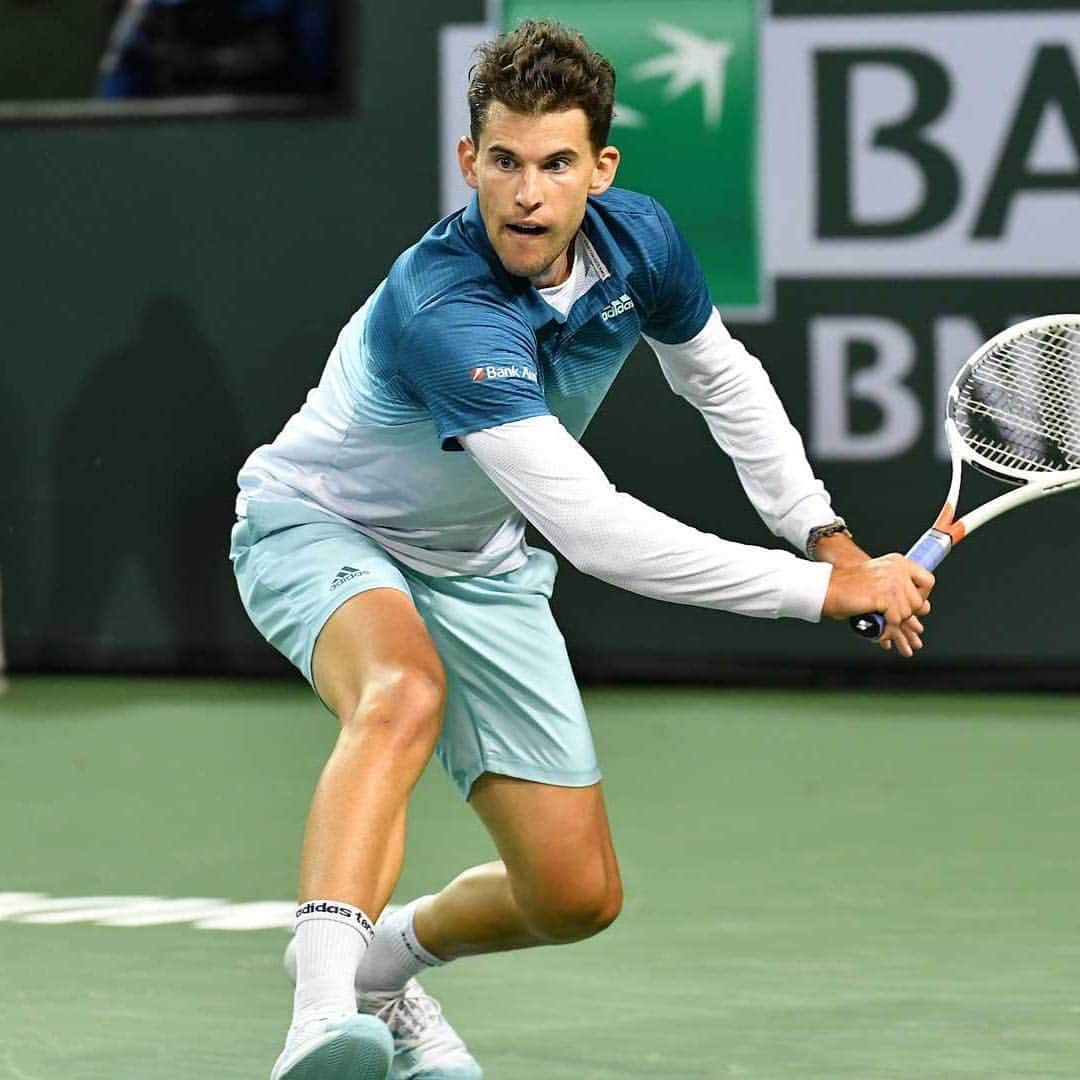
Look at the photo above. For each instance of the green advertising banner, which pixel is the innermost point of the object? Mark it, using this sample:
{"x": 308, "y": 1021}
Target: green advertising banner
{"x": 685, "y": 119}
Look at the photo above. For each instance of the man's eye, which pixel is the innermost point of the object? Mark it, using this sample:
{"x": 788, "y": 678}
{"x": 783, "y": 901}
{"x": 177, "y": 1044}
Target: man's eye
{"x": 504, "y": 163}
{"x": 558, "y": 165}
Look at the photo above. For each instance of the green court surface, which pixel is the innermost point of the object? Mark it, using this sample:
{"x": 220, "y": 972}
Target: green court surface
{"x": 818, "y": 885}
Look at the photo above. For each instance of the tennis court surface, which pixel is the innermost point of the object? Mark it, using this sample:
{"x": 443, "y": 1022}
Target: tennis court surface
{"x": 818, "y": 885}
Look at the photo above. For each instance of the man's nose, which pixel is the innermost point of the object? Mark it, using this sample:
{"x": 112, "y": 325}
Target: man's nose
{"x": 528, "y": 192}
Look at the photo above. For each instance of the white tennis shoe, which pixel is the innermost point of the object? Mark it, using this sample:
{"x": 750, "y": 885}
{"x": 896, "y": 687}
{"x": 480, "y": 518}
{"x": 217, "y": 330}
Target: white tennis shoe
{"x": 426, "y": 1047}
{"x": 350, "y": 1047}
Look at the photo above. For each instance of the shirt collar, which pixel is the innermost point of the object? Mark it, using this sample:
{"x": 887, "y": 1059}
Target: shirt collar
{"x": 609, "y": 253}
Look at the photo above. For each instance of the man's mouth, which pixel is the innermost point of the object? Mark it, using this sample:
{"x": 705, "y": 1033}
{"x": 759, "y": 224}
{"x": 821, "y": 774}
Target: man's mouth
{"x": 527, "y": 229}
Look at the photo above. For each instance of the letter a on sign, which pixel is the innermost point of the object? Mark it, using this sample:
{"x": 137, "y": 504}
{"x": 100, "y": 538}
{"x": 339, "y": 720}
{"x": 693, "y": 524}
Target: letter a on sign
{"x": 685, "y": 119}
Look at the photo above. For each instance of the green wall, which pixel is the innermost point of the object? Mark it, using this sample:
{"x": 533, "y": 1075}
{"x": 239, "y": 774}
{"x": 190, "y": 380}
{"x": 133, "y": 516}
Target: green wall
{"x": 169, "y": 291}
{"x": 50, "y": 49}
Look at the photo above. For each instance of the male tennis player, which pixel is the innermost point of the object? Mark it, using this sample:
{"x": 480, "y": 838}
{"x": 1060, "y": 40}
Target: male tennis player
{"x": 380, "y": 547}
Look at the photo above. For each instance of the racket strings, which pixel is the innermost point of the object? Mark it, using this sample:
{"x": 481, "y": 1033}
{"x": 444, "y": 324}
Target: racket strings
{"x": 1019, "y": 405}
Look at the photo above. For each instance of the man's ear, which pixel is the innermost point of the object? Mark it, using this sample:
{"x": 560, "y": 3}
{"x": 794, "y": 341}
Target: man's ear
{"x": 607, "y": 165}
{"x": 466, "y": 155}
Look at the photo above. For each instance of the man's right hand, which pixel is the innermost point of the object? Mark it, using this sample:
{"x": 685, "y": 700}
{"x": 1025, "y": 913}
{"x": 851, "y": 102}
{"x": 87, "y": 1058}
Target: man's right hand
{"x": 890, "y": 584}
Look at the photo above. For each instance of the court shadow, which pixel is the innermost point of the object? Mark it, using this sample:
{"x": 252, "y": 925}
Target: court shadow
{"x": 145, "y": 467}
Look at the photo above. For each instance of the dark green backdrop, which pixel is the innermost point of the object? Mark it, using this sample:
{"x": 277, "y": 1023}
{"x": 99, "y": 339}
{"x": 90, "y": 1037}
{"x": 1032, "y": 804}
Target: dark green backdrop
{"x": 170, "y": 290}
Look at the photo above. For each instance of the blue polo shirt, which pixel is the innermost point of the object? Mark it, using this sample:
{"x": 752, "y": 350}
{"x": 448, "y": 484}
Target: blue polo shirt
{"x": 455, "y": 313}
{"x": 450, "y": 343}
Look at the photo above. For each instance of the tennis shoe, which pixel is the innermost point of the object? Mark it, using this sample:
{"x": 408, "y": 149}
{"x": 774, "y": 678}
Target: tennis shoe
{"x": 350, "y": 1047}
{"x": 426, "y": 1047}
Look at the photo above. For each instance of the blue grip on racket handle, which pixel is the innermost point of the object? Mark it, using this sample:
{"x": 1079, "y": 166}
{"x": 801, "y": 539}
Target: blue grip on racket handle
{"x": 928, "y": 551}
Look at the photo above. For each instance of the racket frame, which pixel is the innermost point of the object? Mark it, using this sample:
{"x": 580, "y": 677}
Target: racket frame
{"x": 1032, "y": 484}
{"x": 948, "y": 530}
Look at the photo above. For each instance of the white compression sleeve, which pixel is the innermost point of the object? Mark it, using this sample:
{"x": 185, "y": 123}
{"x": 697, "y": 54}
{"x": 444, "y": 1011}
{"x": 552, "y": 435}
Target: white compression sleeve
{"x": 729, "y": 387}
{"x": 558, "y": 486}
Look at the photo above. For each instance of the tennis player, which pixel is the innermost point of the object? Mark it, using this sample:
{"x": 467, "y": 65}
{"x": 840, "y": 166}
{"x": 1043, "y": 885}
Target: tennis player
{"x": 380, "y": 546}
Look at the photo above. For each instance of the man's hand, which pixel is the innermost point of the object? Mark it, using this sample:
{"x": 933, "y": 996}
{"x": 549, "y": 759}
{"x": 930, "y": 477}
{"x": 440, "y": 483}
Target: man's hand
{"x": 893, "y": 585}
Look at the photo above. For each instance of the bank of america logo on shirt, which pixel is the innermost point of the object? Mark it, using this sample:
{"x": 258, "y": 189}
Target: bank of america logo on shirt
{"x": 502, "y": 371}
{"x": 685, "y": 119}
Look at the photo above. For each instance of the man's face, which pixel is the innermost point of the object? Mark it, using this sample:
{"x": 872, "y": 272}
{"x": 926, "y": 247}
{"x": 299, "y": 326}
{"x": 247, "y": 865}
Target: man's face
{"x": 532, "y": 174}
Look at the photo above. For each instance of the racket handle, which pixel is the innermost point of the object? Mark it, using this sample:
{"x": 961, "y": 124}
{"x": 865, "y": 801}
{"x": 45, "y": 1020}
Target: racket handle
{"x": 928, "y": 551}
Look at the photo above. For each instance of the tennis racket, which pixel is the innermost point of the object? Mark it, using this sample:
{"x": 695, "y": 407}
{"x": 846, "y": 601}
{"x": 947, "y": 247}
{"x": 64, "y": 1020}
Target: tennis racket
{"x": 1013, "y": 412}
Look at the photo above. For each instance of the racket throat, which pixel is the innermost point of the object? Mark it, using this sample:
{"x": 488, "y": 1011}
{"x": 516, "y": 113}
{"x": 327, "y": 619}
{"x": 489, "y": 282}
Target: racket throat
{"x": 946, "y": 520}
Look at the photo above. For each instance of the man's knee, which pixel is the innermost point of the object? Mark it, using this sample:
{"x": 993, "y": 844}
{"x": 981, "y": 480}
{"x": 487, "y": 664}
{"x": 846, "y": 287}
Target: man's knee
{"x": 577, "y": 913}
{"x": 402, "y": 707}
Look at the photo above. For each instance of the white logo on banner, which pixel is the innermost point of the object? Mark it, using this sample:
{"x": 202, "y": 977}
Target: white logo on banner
{"x": 693, "y": 61}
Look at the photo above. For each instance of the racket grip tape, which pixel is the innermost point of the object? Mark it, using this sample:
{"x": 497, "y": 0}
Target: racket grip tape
{"x": 928, "y": 551}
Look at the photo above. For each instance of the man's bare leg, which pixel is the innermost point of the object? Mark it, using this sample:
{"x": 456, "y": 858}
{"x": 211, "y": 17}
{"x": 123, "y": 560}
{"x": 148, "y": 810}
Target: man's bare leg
{"x": 376, "y": 668}
{"x": 557, "y": 882}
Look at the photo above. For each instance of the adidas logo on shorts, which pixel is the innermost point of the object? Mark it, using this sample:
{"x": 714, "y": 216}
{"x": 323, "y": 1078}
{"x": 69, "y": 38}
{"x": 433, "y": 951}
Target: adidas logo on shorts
{"x": 346, "y": 573}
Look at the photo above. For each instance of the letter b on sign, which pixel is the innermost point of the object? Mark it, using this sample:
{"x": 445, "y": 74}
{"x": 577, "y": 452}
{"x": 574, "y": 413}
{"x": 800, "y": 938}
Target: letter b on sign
{"x": 843, "y": 147}
{"x": 881, "y": 384}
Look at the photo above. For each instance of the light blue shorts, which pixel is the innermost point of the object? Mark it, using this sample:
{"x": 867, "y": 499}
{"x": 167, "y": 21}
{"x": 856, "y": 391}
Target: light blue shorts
{"x": 512, "y": 706}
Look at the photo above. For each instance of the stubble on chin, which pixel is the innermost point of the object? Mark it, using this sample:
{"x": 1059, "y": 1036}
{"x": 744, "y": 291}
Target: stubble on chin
{"x": 531, "y": 271}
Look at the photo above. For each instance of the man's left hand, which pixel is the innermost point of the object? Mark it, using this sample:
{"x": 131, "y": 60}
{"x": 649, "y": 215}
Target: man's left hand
{"x": 841, "y": 550}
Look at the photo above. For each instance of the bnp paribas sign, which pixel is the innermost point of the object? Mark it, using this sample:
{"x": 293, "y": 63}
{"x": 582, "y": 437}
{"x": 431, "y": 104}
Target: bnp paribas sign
{"x": 686, "y": 118}
{"x": 817, "y": 141}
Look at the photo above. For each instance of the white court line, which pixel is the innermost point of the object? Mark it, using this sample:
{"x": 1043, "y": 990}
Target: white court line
{"x": 258, "y": 915}
{"x": 77, "y": 908}
{"x": 204, "y": 913}
{"x": 13, "y": 1069}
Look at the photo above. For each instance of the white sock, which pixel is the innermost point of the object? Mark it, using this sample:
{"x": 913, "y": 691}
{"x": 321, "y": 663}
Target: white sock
{"x": 331, "y": 939}
{"x": 395, "y": 955}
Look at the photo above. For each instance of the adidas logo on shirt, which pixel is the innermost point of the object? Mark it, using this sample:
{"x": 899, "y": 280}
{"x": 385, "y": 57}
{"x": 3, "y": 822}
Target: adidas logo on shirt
{"x": 617, "y": 307}
{"x": 495, "y": 371}
{"x": 346, "y": 573}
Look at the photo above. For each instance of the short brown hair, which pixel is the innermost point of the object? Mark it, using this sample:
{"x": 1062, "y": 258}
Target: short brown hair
{"x": 542, "y": 66}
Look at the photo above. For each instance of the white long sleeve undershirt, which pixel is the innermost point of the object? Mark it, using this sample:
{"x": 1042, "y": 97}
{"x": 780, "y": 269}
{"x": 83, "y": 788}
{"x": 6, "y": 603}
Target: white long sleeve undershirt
{"x": 729, "y": 387}
{"x": 558, "y": 486}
